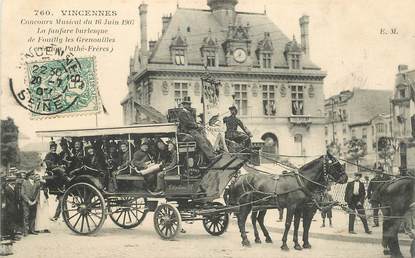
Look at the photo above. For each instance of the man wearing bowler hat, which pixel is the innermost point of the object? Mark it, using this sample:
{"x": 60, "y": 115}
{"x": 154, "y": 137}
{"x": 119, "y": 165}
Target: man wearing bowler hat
{"x": 188, "y": 125}
{"x": 355, "y": 197}
{"x": 232, "y": 133}
{"x": 373, "y": 193}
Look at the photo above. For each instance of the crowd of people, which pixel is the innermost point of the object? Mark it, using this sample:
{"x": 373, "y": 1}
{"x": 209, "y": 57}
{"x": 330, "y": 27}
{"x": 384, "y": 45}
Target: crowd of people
{"x": 24, "y": 205}
{"x": 154, "y": 156}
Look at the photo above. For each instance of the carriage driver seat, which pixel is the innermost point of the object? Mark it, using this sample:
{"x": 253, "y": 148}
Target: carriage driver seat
{"x": 185, "y": 137}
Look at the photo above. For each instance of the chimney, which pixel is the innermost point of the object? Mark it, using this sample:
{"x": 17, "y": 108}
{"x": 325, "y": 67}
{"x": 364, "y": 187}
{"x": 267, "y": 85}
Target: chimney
{"x": 223, "y": 10}
{"x": 143, "y": 26}
{"x": 165, "y": 22}
{"x": 304, "y": 21}
{"x": 151, "y": 45}
{"x": 402, "y": 68}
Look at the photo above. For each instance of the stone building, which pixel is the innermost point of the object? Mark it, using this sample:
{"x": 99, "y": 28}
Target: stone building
{"x": 404, "y": 117}
{"x": 361, "y": 113}
{"x": 267, "y": 75}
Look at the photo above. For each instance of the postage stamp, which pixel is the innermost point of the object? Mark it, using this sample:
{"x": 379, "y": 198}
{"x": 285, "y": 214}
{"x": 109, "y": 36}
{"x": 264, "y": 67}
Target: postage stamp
{"x": 60, "y": 87}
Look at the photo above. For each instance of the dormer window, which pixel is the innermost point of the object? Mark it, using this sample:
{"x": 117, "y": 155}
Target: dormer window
{"x": 211, "y": 59}
{"x": 178, "y": 49}
{"x": 295, "y": 61}
{"x": 293, "y": 54}
{"x": 209, "y": 51}
{"x": 264, "y": 51}
{"x": 266, "y": 60}
{"x": 179, "y": 57}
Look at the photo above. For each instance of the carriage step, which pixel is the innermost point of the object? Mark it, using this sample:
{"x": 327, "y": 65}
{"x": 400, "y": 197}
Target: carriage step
{"x": 129, "y": 177}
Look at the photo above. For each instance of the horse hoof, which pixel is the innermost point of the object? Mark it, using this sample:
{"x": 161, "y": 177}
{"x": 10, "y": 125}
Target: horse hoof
{"x": 298, "y": 247}
{"x": 246, "y": 243}
{"x": 258, "y": 241}
{"x": 307, "y": 246}
{"x": 386, "y": 252}
{"x": 268, "y": 240}
{"x": 284, "y": 247}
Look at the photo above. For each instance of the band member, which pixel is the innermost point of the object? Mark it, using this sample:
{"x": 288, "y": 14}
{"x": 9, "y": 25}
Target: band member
{"x": 162, "y": 152}
{"x": 111, "y": 156}
{"x": 30, "y": 192}
{"x": 54, "y": 164}
{"x": 232, "y": 133}
{"x": 78, "y": 155}
{"x": 124, "y": 155}
{"x": 373, "y": 193}
{"x": 65, "y": 155}
{"x": 93, "y": 160}
{"x": 187, "y": 124}
{"x": 141, "y": 157}
{"x": 167, "y": 166}
{"x": 355, "y": 197}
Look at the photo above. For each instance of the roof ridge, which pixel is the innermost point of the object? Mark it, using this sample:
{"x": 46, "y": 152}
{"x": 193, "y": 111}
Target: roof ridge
{"x": 193, "y": 9}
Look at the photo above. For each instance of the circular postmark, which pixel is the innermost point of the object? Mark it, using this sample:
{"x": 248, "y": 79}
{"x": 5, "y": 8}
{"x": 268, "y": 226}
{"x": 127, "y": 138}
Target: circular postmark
{"x": 56, "y": 82}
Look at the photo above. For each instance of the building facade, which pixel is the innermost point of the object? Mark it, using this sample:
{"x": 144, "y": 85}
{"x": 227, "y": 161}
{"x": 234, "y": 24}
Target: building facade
{"x": 361, "y": 113}
{"x": 270, "y": 78}
{"x": 404, "y": 118}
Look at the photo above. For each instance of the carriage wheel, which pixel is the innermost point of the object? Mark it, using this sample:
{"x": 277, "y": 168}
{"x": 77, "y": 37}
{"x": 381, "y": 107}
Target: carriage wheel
{"x": 83, "y": 209}
{"x": 216, "y": 224}
{"x": 167, "y": 221}
{"x": 128, "y": 212}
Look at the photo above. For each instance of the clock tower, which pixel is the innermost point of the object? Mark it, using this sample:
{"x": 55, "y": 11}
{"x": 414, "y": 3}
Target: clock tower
{"x": 237, "y": 46}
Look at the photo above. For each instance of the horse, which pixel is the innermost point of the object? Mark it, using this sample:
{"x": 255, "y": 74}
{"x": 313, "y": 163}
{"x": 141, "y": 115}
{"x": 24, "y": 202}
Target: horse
{"x": 397, "y": 198}
{"x": 292, "y": 190}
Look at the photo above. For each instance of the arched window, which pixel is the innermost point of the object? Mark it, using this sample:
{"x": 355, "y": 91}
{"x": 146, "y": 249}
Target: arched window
{"x": 270, "y": 144}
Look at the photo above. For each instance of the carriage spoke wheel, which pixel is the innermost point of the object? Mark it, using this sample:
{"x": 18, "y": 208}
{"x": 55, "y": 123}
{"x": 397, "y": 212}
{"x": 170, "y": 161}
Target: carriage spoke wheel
{"x": 216, "y": 224}
{"x": 83, "y": 209}
{"x": 128, "y": 212}
{"x": 167, "y": 221}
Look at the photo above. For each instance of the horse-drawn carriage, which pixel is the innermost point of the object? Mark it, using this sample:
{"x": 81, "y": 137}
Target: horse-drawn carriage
{"x": 190, "y": 187}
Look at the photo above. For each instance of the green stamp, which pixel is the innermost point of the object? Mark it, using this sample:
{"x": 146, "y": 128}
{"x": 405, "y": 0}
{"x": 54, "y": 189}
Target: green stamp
{"x": 64, "y": 86}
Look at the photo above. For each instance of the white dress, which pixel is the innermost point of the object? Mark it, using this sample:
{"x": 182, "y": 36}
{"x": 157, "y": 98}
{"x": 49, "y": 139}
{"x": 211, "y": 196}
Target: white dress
{"x": 42, "y": 213}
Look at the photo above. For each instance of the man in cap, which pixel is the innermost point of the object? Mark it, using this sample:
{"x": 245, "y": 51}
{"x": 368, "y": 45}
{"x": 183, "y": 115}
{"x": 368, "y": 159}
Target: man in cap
{"x": 141, "y": 157}
{"x": 10, "y": 213}
{"x": 187, "y": 124}
{"x": 30, "y": 192}
{"x": 54, "y": 163}
{"x": 373, "y": 193}
{"x": 355, "y": 197}
{"x": 232, "y": 133}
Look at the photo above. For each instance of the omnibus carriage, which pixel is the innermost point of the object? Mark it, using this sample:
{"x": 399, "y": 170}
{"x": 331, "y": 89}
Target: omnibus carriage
{"x": 190, "y": 187}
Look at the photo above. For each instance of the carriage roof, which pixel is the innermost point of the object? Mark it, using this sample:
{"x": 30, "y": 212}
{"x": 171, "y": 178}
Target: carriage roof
{"x": 149, "y": 129}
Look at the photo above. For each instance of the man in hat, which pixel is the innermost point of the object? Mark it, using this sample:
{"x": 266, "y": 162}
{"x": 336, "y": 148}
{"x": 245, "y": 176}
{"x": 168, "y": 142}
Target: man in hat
{"x": 54, "y": 163}
{"x": 187, "y": 124}
{"x": 141, "y": 157}
{"x": 93, "y": 160}
{"x": 65, "y": 155}
{"x": 30, "y": 192}
{"x": 11, "y": 209}
{"x": 232, "y": 133}
{"x": 373, "y": 193}
{"x": 355, "y": 197}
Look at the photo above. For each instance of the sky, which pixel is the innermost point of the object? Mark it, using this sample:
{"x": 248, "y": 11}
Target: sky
{"x": 345, "y": 41}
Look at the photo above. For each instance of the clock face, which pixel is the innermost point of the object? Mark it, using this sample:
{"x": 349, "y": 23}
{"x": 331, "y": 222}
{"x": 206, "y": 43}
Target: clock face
{"x": 239, "y": 55}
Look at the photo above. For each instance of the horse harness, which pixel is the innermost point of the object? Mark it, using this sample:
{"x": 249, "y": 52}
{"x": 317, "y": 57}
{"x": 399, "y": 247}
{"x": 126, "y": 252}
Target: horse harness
{"x": 301, "y": 186}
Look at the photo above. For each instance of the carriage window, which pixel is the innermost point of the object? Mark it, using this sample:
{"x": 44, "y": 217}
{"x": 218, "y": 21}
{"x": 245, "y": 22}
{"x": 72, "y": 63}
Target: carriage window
{"x": 268, "y": 100}
{"x": 180, "y": 91}
{"x": 241, "y": 98}
{"x": 297, "y": 100}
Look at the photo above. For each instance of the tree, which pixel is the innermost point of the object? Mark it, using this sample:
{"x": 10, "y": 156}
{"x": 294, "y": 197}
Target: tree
{"x": 9, "y": 143}
{"x": 386, "y": 150}
{"x": 356, "y": 149}
{"x": 29, "y": 160}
